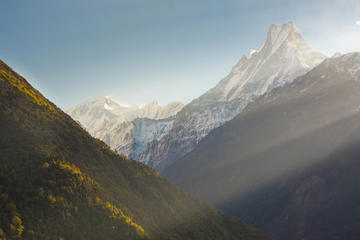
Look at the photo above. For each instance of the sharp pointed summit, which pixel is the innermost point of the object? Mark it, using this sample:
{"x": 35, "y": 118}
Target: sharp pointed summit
{"x": 284, "y": 56}
{"x": 278, "y": 33}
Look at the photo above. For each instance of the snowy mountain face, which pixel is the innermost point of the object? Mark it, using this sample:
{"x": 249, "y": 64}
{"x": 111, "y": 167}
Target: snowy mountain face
{"x": 131, "y": 138}
{"x": 152, "y": 111}
{"x": 94, "y": 114}
{"x": 284, "y": 56}
{"x": 104, "y": 113}
{"x": 348, "y": 64}
{"x": 125, "y": 128}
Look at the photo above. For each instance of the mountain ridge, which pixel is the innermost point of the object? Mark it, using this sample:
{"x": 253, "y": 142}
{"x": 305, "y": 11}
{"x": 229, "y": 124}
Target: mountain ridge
{"x": 58, "y": 182}
{"x": 100, "y": 113}
{"x": 279, "y": 163}
{"x": 284, "y": 56}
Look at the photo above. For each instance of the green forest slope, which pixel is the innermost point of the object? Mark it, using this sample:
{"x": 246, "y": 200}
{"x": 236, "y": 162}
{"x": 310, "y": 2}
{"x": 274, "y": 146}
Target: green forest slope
{"x": 57, "y": 182}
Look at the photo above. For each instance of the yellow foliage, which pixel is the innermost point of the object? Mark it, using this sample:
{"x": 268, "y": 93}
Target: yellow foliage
{"x": 118, "y": 214}
{"x": 16, "y": 220}
{"x": 16, "y": 225}
{"x": 70, "y": 167}
{"x": 36, "y": 97}
{"x": 51, "y": 198}
{"x": 46, "y": 165}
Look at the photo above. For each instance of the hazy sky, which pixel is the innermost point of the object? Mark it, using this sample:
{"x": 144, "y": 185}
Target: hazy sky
{"x": 139, "y": 50}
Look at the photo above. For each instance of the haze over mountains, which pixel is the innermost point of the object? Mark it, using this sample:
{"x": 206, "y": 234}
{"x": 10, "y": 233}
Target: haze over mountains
{"x": 58, "y": 182}
{"x": 125, "y": 128}
{"x": 104, "y": 112}
{"x": 289, "y": 162}
{"x": 275, "y": 142}
{"x": 284, "y": 56}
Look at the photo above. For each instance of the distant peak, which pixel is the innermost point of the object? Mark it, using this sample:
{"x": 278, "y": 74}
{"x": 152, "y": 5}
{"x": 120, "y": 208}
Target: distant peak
{"x": 279, "y": 33}
{"x": 154, "y": 102}
{"x": 347, "y": 63}
{"x": 175, "y": 103}
{"x": 102, "y": 99}
{"x": 285, "y": 26}
{"x": 338, "y": 57}
{"x": 243, "y": 58}
{"x": 352, "y": 56}
{"x": 335, "y": 55}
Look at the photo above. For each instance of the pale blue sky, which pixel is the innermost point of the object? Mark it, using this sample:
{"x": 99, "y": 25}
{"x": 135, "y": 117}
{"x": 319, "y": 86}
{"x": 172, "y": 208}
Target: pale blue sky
{"x": 139, "y": 50}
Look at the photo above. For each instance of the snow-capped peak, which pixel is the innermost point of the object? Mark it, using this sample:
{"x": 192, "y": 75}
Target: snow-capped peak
{"x": 348, "y": 63}
{"x": 96, "y": 114}
{"x": 153, "y": 103}
{"x": 335, "y": 55}
{"x": 107, "y": 107}
{"x": 252, "y": 52}
{"x": 284, "y": 56}
{"x": 279, "y": 33}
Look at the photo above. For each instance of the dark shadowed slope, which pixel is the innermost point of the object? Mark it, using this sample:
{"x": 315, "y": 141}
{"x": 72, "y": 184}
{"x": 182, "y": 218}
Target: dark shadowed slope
{"x": 57, "y": 182}
{"x": 273, "y": 164}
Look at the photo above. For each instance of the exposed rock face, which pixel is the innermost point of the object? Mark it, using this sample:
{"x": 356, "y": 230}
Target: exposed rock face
{"x": 284, "y": 56}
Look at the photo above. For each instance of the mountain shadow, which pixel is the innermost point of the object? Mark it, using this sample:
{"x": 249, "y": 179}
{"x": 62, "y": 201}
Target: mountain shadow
{"x": 288, "y": 163}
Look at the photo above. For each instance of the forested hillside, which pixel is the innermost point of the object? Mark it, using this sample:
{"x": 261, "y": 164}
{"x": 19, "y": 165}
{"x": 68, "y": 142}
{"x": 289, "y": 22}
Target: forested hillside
{"x": 57, "y": 182}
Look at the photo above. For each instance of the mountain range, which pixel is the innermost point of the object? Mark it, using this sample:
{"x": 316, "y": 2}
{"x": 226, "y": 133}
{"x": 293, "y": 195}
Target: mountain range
{"x": 58, "y": 182}
{"x": 284, "y": 56}
{"x": 288, "y": 163}
{"x": 127, "y": 129}
{"x": 275, "y": 142}
{"x": 105, "y": 113}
